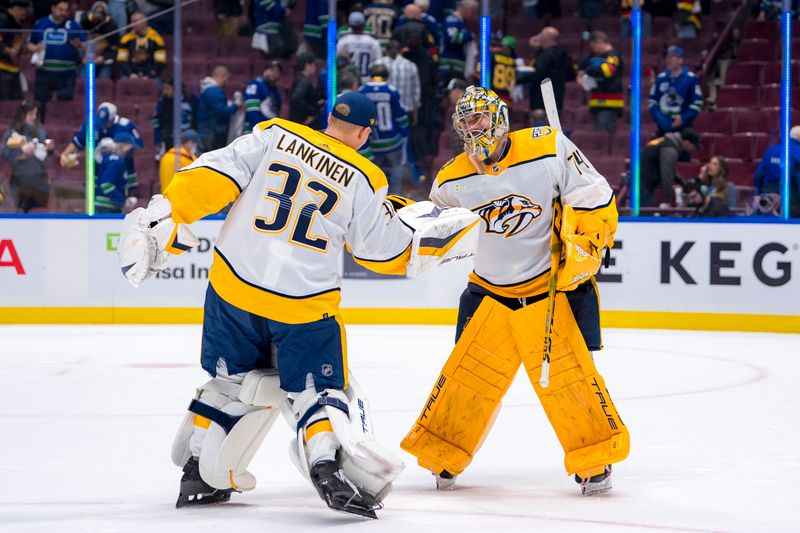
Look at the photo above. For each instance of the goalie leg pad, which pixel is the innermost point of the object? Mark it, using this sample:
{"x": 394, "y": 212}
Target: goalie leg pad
{"x": 577, "y": 402}
{"x": 466, "y": 397}
{"x": 228, "y": 428}
{"x": 367, "y": 465}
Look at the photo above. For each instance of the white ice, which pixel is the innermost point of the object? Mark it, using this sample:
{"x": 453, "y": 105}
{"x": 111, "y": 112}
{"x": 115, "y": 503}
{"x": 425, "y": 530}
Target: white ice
{"x": 88, "y": 414}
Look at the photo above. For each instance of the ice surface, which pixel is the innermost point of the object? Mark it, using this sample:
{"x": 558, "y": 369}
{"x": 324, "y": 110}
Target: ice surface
{"x": 89, "y": 413}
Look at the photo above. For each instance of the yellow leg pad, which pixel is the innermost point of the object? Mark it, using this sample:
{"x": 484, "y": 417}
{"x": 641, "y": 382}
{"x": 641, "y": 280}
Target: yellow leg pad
{"x": 465, "y": 400}
{"x": 577, "y": 402}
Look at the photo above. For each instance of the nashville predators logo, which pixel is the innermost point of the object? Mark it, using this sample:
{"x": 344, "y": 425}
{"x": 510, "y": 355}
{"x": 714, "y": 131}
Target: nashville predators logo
{"x": 508, "y": 215}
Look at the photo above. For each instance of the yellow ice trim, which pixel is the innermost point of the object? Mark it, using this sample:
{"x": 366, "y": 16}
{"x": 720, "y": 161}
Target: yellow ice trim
{"x": 406, "y": 315}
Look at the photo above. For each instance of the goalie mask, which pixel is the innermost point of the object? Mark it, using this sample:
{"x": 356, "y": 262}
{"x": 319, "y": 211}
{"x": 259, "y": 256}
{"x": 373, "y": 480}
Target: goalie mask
{"x": 481, "y": 120}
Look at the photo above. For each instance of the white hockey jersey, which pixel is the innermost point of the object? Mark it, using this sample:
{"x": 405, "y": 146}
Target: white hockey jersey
{"x": 515, "y": 200}
{"x": 300, "y": 196}
{"x": 362, "y": 49}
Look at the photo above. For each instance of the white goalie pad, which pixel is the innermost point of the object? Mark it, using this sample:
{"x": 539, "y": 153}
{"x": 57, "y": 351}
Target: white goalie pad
{"x": 228, "y": 448}
{"x": 149, "y": 237}
{"x": 367, "y": 465}
{"x": 441, "y": 235}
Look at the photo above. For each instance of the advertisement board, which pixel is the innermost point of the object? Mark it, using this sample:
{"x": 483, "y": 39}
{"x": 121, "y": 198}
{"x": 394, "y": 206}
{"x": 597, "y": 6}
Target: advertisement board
{"x": 660, "y": 274}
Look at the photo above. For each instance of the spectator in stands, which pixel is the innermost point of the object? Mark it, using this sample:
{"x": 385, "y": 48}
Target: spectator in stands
{"x": 228, "y": 14}
{"x": 163, "y": 23}
{"x": 270, "y": 36}
{"x": 162, "y": 120}
{"x": 11, "y": 46}
{"x": 625, "y": 9}
{"x": 405, "y": 78}
{"x": 141, "y": 51}
{"x": 118, "y": 9}
{"x": 551, "y": 61}
{"x": 768, "y": 175}
{"x": 601, "y": 76}
{"x": 362, "y": 48}
{"x": 262, "y": 98}
{"x": 57, "y": 43}
{"x": 390, "y": 132}
{"x": 455, "y": 39}
{"x": 186, "y": 153}
{"x": 714, "y": 179}
{"x": 771, "y": 10}
{"x": 381, "y": 17}
{"x": 304, "y": 101}
{"x": 502, "y": 69}
{"x": 25, "y": 148}
{"x": 414, "y": 31}
{"x": 214, "y": 110}
{"x": 107, "y": 124}
{"x": 454, "y": 91}
{"x": 658, "y": 164}
{"x": 765, "y": 205}
{"x": 98, "y": 22}
{"x": 706, "y": 205}
{"x": 315, "y": 29}
{"x": 675, "y": 96}
{"x": 110, "y": 186}
{"x": 687, "y": 19}
{"x": 420, "y": 12}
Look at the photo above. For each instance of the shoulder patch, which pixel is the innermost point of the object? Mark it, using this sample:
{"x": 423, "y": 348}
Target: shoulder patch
{"x": 541, "y": 131}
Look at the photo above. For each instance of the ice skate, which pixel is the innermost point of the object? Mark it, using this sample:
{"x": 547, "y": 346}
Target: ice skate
{"x": 338, "y": 492}
{"x": 195, "y": 491}
{"x": 445, "y": 481}
{"x": 596, "y": 484}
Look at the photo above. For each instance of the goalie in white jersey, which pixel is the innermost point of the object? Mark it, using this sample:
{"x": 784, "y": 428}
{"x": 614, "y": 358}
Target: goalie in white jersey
{"x": 519, "y": 183}
{"x": 271, "y": 321}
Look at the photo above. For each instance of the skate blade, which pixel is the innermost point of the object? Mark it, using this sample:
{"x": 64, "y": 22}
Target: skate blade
{"x": 194, "y": 500}
{"x": 592, "y": 489}
{"x": 351, "y": 510}
{"x": 445, "y": 483}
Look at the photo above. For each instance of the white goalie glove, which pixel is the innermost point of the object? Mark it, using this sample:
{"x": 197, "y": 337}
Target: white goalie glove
{"x": 149, "y": 237}
{"x": 440, "y": 235}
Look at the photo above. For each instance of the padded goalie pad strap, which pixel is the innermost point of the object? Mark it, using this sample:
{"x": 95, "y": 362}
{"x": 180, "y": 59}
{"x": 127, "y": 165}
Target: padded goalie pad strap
{"x": 577, "y": 402}
{"x": 224, "y": 420}
{"x": 466, "y": 397}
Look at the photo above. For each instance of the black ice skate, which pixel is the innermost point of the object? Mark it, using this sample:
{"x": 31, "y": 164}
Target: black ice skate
{"x": 595, "y": 484}
{"x": 195, "y": 491}
{"x": 338, "y": 492}
{"x": 445, "y": 480}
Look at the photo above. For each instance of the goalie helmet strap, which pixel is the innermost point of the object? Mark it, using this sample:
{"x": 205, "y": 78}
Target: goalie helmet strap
{"x": 224, "y": 420}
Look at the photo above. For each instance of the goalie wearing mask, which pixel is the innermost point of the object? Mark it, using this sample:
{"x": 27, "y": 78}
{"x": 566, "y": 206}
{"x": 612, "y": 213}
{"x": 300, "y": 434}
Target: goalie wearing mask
{"x": 533, "y": 189}
{"x": 273, "y": 339}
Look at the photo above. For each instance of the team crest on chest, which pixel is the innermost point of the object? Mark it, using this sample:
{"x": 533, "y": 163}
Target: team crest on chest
{"x": 508, "y": 215}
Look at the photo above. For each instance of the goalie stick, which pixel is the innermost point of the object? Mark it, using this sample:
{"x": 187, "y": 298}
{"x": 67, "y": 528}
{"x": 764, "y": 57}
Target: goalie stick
{"x": 550, "y": 108}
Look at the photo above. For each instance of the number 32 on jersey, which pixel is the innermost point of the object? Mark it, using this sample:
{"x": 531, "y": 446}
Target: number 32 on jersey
{"x": 300, "y": 216}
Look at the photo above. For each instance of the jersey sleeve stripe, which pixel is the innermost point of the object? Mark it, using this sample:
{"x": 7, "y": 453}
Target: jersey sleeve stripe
{"x": 394, "y": 265}
{"x": 188, "y": 170}
{"x": 601, "y": 206}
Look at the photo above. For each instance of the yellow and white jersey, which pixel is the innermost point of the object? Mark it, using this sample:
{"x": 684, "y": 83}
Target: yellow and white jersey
{"x": 515, "y": 201}
{"x": 300, "y": 196}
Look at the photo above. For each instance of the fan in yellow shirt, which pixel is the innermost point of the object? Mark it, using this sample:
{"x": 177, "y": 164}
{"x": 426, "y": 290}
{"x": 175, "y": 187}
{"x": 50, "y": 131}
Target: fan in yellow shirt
{"x": 167, "y": 168}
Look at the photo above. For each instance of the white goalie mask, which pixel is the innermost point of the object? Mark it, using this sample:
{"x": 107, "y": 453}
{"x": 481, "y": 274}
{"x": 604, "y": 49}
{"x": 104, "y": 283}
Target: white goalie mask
{"x": 481, "y": 120}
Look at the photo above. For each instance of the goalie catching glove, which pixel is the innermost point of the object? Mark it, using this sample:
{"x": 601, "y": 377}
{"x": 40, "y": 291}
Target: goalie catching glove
{"x": 440, "y": 235}
{"x": 149, "y": 238}
{"x": 583, "y": 238}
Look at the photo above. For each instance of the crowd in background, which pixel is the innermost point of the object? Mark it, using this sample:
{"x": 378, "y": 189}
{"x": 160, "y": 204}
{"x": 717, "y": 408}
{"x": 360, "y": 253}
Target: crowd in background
{"x": 412, "y": 58}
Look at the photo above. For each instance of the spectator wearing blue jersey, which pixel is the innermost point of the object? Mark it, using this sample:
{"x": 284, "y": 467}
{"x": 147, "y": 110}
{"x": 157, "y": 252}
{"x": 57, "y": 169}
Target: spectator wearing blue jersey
{"x": 390, "y": 132}
{"x": 110, "y": 186}
{"x": 455, "y": 38}
{"x": 214, "y": 111}
{"x": 423, "y": 16}
{"x": 269, "y": 18}
{"x": 675, "y": 97}
{"x": 107, "y": 124}
{"x": 768, "y": 175}
{"x": 57, "y": 40}
{"x": 262, "y": 98}
{"x": 315, "y": 28}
